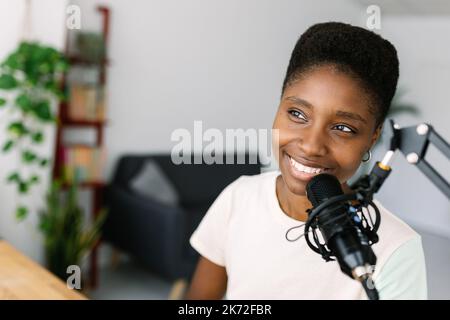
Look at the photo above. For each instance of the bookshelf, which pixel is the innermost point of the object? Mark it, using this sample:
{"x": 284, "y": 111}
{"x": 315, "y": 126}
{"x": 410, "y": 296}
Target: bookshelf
{"x": 82, "y": 111}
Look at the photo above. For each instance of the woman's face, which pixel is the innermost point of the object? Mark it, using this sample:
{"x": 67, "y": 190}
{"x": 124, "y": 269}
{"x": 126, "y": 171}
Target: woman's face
{"x": 324, "y": 125}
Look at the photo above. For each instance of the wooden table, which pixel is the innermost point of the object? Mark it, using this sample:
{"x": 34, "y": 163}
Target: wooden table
{"x": 22, "y": 278}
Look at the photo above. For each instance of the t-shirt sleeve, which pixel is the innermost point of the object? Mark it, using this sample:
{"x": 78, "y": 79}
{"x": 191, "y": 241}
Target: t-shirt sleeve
{"x": 209, "y": 238}
{"x": 403, "y": 276}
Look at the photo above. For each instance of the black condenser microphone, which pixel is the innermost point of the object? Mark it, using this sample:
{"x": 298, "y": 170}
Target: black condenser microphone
{"x": 340, "y": 231}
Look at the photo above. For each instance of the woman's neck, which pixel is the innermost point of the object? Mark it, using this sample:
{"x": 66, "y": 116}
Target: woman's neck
{"x": 294, "y": 205}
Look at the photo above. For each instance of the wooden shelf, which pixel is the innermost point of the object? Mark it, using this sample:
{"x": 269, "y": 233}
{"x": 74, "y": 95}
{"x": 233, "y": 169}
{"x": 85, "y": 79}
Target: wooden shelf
{"x": 80, "y": 145}
{"x": 82, "y": 123}
{"x": 80, "y": 60}
{"x": 64, "y": 122}
{"x": 86, "y": 184}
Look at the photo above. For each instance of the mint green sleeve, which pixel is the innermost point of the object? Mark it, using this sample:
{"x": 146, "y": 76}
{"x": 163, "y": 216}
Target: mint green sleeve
{"x": 403, "y": 276}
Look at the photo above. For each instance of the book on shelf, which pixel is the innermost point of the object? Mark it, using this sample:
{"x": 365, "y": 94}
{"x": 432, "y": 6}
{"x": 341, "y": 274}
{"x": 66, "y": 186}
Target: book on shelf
{"x": 83, "y": 164}
{"x": 87, "y": 102}
{"x": 88, "y": 75}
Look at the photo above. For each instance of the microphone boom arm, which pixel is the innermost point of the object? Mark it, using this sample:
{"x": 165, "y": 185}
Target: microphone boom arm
{"x": 413, "y": 142}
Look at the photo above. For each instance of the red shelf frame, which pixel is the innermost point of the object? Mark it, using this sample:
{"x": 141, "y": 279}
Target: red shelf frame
{"x": 97, "y": 187}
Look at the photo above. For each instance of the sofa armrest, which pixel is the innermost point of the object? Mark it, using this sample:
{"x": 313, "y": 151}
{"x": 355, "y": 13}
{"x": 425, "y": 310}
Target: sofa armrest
{"x": 148, "y": 229}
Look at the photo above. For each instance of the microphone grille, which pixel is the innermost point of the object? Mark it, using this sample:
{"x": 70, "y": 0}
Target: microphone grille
{"x": 322, "y": 187}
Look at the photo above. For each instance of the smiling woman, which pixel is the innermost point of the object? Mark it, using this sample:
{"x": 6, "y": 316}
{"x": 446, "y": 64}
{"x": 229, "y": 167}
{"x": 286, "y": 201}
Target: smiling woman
{"x": 324, "y": 121}
{"x": 337, "y": 91}
{"x": 335, "y": 96}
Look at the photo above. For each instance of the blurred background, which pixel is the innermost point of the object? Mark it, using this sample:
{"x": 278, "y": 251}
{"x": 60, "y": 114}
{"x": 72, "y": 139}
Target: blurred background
{"x": 123, "y": 75}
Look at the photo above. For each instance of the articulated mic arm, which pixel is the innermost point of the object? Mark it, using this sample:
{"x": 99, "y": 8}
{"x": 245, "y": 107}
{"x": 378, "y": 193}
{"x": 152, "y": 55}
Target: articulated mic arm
{"x": 413, "y": 142}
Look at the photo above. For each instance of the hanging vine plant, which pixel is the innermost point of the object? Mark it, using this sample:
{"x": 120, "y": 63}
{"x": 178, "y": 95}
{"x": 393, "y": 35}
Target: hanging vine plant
{"x": 29, "y": 86}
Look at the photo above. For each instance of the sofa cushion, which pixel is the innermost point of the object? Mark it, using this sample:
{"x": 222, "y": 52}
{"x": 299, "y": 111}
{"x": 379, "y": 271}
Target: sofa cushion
{"x": 151, "y": 182}
{"x": 200, "y": 184}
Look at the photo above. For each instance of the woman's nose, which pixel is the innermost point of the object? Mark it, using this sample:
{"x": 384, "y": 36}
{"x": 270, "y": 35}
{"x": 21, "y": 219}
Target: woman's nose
{"x": 313, "y": 142}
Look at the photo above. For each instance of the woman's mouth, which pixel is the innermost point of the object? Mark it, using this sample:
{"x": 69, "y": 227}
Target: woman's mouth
{"x": 302, "y": 171}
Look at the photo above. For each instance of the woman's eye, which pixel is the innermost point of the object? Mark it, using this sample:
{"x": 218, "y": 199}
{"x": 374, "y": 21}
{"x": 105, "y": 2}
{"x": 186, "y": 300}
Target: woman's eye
{"x": 344, "y": 128}
{"x": 297, "y": 114}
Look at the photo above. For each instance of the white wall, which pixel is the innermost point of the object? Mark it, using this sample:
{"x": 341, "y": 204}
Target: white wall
{"x": 48, "y": 27}
{"x": 174, "y": 62}
{"x": 424, "y": 53}
{"x": 222, "y": 62}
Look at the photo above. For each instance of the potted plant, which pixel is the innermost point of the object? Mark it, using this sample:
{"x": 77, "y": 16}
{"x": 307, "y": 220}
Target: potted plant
{"x": 66, "y": 238}
{"x": 30, "y": 87}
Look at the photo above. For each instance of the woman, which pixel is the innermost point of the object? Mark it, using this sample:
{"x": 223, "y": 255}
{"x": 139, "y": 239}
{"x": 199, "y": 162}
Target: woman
{"x": 337, "y": 91}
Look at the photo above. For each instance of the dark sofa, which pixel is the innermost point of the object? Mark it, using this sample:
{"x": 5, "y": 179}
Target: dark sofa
{"x": 158, "y": 234}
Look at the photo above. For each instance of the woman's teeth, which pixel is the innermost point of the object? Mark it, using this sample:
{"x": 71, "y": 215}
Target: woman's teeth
{"x": 300, "y": 167}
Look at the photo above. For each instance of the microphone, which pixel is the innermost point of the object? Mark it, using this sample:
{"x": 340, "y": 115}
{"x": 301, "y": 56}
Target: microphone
{"x": 342, "y": 230}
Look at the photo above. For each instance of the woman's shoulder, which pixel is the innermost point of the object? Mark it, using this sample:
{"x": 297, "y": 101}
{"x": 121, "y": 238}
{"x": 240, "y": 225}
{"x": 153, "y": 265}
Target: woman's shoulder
{"x": 250, "y": 187}
{"x": 399, "y": 252}
{"x": 253, "y": 183}
{"x": 391, "y": 225}
{"x": 393, "y": 231}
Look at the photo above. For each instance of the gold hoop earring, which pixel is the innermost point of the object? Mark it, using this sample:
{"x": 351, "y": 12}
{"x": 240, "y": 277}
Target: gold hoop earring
{"x": 369, "y": 156}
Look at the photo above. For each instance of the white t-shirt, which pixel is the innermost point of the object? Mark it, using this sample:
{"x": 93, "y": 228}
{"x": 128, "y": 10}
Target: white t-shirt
{"x": 244, "y": 231}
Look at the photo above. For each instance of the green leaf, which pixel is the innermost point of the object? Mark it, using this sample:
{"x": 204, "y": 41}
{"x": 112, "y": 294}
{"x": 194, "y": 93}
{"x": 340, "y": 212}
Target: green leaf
{"x": 7, "y": 82}
{"x": 2, "y": 102}
{"x": 14, "y": 177}
{"x": 23, "y": 187}
{"x": 44, "y": 68}
{"x": 14, "y": 61}
{"x": 61, "y": 66}
{"x": 24, "y": 102}
{"x": 21, "y": 213}
{"x": 8, "y": 145}
{"x": 28, "y": 156}
{"x": 17, "y": 129}
{"x": 43, "y": 162}
{"x": 34, "y": 179}
{"x": 37, "y": 137}
{"x": 42, "y": 111}
{"x": 44, "y": 224}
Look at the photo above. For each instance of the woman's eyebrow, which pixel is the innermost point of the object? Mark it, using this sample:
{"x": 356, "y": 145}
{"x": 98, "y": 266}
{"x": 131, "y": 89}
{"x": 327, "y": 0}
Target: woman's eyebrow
{"x": 349, "y": 115}
{"x": 339, "y": 113}
{"x": 300, "y": 101}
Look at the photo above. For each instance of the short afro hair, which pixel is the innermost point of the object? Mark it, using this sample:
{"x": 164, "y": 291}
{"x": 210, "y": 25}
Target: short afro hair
{"x": 358, "y": 52}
